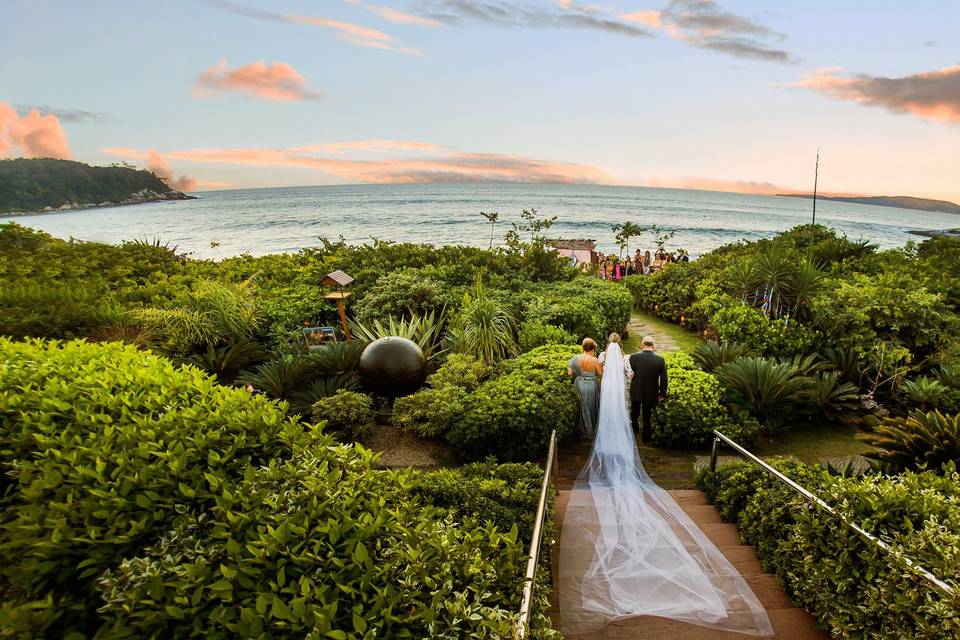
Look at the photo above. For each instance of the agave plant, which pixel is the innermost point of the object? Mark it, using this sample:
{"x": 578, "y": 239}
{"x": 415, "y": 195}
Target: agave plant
{"x": 921, "y": 439}
{"x": 485, "y": 328}
{"x": 279, "y": 378}
{"x": 711, "y": 355}
{"x": 927, "y": 392}
{"x": 826, "y": 394}
{"x": 764, "y": 387}
{"x": 949, "y": 375}
{"x": 227, "y": 362}
{"x": 426, "y": 330}
{"x": 212, "y": 313}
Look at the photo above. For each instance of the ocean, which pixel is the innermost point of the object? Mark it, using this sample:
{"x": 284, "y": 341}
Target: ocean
{"x": 260, "y": 221}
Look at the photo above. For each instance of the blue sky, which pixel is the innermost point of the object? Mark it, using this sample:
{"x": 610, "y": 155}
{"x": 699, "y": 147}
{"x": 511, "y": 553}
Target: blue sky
{"x": 541, "y": 90}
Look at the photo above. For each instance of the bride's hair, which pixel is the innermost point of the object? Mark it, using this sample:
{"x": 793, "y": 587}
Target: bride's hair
{"x": 614, "y": 337}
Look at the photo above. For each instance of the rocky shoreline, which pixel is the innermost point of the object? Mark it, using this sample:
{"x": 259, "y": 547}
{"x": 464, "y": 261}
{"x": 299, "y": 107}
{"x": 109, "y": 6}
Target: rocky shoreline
{"x": 139, "y": 197}
{"x": 949, "y": 233}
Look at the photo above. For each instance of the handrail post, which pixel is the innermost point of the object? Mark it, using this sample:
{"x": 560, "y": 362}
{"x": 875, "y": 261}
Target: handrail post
{"x": 533, "y": 556}
{"x": 713, "y": 452}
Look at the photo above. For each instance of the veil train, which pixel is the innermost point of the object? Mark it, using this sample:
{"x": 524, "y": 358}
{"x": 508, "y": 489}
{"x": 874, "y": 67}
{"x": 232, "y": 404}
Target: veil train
{"x": 647, "y": 555}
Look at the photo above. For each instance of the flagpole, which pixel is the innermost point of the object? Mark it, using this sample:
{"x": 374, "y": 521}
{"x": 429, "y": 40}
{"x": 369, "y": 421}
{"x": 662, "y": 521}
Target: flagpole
{"x": 816, "y": 173}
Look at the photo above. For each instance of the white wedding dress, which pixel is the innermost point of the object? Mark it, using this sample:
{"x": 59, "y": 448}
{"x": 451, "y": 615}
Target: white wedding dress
{"x": 627, "y": 548}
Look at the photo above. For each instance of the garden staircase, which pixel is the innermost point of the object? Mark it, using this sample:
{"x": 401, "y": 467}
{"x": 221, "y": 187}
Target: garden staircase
{"x": 789, "y": 622}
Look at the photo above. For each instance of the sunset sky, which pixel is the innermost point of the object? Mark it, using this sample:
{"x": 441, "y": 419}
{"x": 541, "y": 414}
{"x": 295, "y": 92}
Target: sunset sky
{"x": 731, "y": 95}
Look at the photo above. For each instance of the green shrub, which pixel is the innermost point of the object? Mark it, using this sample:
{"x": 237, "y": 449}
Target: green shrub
{"x": 694, "y": 409}
{"x": 511, "y": 416}
{"x": 584, "y": 307}
{"x": 348, "y": 415}
{"x": 102, "y": 448}
{"x": 764, "y": 387}
{"x": 535, "y": 334}
{"x": 711, "y": 355}
{"x": 401, "y": 294}
{"x": 856, "y": 590}
{"x": 460, "y": 370}
{"x": 928, "y": 393}
{"x": 323, "y": 546}
{"x": 679, "y": 360}
{"x": 504, "y": 495}
{"x": 429, "y": 412}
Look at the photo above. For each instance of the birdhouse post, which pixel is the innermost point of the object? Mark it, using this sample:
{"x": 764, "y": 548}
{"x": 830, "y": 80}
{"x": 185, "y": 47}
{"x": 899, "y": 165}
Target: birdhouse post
{"x": 340, "y": 280}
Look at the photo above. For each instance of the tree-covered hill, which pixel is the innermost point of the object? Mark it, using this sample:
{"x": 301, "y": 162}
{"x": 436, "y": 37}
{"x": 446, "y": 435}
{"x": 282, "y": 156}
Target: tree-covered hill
{"x": 44, "y": 184}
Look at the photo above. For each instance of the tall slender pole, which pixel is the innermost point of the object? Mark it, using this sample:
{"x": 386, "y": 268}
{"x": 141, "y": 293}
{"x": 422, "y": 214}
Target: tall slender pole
{"x": 816, "y": 174}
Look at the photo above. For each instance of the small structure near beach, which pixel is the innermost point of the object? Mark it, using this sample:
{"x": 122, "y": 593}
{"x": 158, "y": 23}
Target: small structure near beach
{"x": 580, "y": 251}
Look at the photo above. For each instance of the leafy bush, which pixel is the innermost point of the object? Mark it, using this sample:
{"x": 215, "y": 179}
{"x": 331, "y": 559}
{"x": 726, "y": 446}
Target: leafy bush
{"x": 679, "y": 360}
{"x": 928, "y": 440}
{"x": 584, "y": 307}
{"x": 856, "y": 590}
{"x": 102, "y": 449}
{"x": 766, "y": 388}
{"x": 429, "y": 412}
{"x": 511, "y": 416}
{"x": 694, "y": 409}
{"x": 401, "y": 294}
{"x": 323, "y": 546}
{"x": 460, "y": 370}
{"x": 504, "y": 495}
{"x": 347, "y": 414}
{"x": 927, "y": 393}
{"x": 535, "y": 334}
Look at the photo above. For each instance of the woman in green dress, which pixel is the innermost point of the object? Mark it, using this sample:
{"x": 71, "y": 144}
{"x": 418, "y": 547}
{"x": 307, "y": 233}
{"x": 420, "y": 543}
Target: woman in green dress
{"x": 585, "y": 369}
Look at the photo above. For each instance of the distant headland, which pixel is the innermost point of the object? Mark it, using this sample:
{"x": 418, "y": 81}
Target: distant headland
{"x": 45, "y": 185}
{"x": 903, "y": 202}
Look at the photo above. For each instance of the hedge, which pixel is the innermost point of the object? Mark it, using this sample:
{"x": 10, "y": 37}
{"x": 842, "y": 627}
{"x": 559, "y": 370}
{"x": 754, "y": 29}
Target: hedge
{"x": 585, "y": 307}
{"x": 511, "y": 416}
{"x": 854, "y": 589}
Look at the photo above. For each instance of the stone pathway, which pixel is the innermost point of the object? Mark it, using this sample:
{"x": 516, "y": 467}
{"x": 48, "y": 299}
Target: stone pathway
{"x": 789, "y": 622}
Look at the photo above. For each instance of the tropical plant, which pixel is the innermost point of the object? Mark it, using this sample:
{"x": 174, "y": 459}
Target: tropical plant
{"x": 492, "y": 219}
{"x": 334, "y": 358}
{"x": 845, "y": 361}
{"x": 827, "y": 395}
{"x": 348, "y": 415}
{"x": 805, "y": 365}
{"x": 741, "y": 280}
{"x": 921, "y": 439}
{"x": 229, "y": 361}
{"x": 806, "y": 281}
{"x": 775, "y": 269}
{"x": 279, "y": 378}
{"x": 425, "y": 330}
{"x": 624, "y": 232}
{"x": 927, "y": 393}
{"x": 764, "y": 387}
{"x": 485, "y": 327}
{"x": 302, "y": 400}
{"x": 711, "y": 355}
{"x": 212, "y": 313}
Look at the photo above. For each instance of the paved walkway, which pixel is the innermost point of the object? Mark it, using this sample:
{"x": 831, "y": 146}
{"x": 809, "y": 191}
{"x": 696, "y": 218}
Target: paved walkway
{"x": 789, "y": 622}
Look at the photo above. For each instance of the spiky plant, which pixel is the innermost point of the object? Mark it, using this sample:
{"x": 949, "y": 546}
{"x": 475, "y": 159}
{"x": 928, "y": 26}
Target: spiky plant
{"x": 485, "y": 327}
{"x": 775, "y": 270}
{"x": 764, "y": 387}
{"x": 827, "y": 395}
{"x": 807, "y": 280}
{"x": 845, "y": 361}
{"x": 926, "y": 392}
{"x": 742, "y": 279}
{"x": 212, "y": 313}
{"x": 338, "y": 357}
{"x": 931, "y": 439}
{"x": 229, "y": 361}
{"x": 301, "y": 401}
{"x": 806, "y": 365}
{"x": 711, "y": 355}
{"x": 279, "y": 378}
{"x": 426, "y": 330}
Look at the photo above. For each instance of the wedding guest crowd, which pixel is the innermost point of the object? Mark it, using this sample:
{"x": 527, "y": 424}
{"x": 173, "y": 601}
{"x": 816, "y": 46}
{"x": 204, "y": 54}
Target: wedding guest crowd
{"x": 614, "y": 268}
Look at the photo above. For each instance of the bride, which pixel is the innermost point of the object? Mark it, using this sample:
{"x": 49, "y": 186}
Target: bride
{"x": 628, "y": 549}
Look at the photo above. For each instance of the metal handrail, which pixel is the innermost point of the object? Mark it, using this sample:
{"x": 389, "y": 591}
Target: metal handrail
{"x": 811, "y": 497}
{"x": 533, "y": 556}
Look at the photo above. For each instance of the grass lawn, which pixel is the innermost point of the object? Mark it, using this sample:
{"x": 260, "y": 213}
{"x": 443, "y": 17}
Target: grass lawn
{"x": 669, "y": 336}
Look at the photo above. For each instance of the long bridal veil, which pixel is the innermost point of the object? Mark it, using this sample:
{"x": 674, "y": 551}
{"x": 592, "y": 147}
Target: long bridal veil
{"x": 627, "y": 548}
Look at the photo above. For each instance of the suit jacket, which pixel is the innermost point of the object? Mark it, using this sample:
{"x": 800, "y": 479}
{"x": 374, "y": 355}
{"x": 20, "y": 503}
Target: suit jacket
{"x": 649, "y": 377}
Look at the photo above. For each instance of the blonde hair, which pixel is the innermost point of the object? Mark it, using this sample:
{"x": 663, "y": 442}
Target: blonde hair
{"x": 589, "y": 344}
{"x": 614, "y": 337}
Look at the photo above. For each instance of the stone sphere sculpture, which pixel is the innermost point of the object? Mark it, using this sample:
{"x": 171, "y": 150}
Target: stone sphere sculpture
{"x": 393, "y": 366}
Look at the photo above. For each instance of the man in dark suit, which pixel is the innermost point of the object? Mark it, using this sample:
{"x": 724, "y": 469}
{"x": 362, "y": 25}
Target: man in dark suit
{"x": 649, "y": 386}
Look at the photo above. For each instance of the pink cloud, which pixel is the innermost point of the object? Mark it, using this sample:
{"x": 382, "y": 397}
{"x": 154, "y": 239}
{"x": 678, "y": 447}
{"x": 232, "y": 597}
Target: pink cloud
{"x": 930, "y": 95}
{"x": 393, "y": 15}
{"x": 37, "y": 136}
{"x": 277, "y": 81}
{"x": 651, "y": 19}
{"x": 158, "y": 165}
{"x": 732, "y": 186}
{"x": 452, "y": 167}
